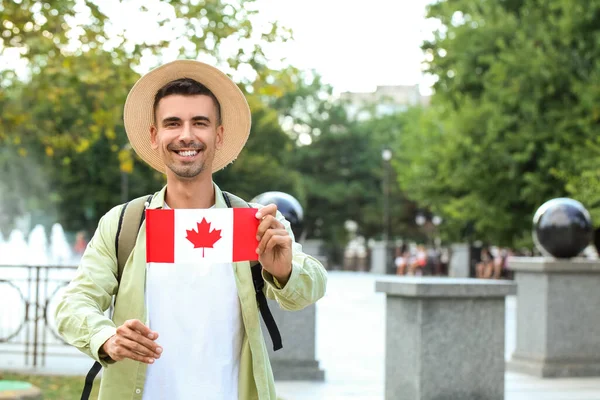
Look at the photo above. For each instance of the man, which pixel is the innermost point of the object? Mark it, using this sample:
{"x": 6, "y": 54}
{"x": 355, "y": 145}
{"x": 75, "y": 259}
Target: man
{"x": 184, "y": 333}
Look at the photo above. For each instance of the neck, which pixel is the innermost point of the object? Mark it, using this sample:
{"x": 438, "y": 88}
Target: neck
{"x": 195, "y": 193}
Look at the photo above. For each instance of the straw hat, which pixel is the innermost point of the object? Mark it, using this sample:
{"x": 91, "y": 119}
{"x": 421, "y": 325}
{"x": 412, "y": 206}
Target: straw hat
{"x": 235, "y": 113}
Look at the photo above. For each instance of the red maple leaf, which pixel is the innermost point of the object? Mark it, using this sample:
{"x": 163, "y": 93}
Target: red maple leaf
{"x": 204, "y": 237}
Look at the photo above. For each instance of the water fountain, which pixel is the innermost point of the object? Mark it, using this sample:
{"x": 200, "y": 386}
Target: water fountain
{"x": 37, "y": 250}
{"x": 38, "y": 247}
{"x": 60, "y": 251}
{"x": 15, "y": 250}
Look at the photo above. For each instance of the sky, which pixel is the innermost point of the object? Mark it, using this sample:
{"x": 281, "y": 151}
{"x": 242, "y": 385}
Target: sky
{"x": 354, "y": 45}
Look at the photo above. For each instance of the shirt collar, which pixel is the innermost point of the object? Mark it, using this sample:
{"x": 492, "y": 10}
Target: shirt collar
{"x": 158, "y": 200}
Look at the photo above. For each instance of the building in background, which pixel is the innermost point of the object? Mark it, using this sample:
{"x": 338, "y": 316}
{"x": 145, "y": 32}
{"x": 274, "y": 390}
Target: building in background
{"x": 384, "y": 100}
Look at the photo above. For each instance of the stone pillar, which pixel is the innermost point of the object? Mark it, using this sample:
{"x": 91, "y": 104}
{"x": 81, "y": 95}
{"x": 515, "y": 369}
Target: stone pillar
{"x": 459, "y": 261}
{"x": 314, "y": 248}
{"x": 444, "y": 338}
{"x": 296, "y": 361}
{"x": 558, "y": 314}
{"x": 378, "y": 265}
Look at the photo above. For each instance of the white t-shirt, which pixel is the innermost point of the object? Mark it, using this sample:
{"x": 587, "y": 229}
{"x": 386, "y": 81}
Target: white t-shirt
{"x": 196, "y": 311}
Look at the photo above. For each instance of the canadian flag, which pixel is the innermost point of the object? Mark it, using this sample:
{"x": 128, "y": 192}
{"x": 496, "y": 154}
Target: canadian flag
{"x": 201, "y": 236}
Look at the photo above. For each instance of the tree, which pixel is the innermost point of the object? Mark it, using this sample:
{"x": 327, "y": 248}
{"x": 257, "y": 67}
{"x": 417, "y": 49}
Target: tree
{"x": 71, "y": 128}
{"x": 225, "y": 31}
{"x": 340, "y": 160}
{"x": 515, "y": 104}
{"x": 264, "y": 163}
{"x": 61, "y": 127}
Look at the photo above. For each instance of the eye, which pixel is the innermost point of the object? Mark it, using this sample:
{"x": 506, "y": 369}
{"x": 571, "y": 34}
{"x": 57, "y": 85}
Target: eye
{"x": 201, "y": 123}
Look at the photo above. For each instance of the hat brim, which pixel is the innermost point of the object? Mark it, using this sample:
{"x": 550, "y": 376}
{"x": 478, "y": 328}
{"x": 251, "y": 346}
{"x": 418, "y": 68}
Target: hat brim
{"x": 235, "y": 112}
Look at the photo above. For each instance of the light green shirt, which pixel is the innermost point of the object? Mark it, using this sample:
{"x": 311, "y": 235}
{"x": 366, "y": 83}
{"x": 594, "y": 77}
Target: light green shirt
{"x": 81, "y": 320}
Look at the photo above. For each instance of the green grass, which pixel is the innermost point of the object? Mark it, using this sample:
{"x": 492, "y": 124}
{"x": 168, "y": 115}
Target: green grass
{"x": 57, "y": 387}
{"x": 54, "y": 387}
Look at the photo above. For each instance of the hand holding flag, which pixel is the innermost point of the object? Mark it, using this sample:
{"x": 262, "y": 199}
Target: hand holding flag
{"x": 275, "y": 244}
{"x": 194, "y": 236}
{"x": 220, "y": 235}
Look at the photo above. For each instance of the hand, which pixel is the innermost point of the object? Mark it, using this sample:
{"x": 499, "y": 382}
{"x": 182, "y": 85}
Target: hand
{"x": 135, "y": 341}
{"x": 275, "y": 244}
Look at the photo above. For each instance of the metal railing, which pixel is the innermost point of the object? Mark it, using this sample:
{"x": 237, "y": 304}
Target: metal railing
{"x": 28, "y": 297}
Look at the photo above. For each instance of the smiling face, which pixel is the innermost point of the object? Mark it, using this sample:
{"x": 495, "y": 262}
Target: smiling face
{"x": 187, "y": 134}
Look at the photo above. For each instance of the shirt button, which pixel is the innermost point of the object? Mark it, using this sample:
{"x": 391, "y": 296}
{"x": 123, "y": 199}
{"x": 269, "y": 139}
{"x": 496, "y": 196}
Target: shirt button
{"x": 138, "y": 391}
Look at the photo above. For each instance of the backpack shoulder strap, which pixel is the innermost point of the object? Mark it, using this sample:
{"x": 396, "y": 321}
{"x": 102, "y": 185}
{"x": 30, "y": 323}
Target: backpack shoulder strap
{"x": 233, "y": 201}
{"x": 131, "y": 219}
{"x": 258, "y": 281}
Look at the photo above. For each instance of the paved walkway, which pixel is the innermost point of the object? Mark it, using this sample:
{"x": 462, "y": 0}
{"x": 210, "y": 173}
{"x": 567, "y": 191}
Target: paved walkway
{"x": 350, "y": 347}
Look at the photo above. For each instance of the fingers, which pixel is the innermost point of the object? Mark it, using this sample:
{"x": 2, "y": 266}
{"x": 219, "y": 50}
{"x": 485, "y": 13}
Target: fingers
{"x": 270, "y": 209}
{"x": 150, "y": 347}
{"x": 268, "y": 222}
{"x": 135, "y": 341}
{"x": 125, "y": 348}
{"x": 137, "y": 325}
{"x": 279, "y": 240}
{"x": 273, "y": 237}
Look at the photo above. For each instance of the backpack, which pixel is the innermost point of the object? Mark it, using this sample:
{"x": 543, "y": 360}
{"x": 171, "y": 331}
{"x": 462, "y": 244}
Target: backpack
{"x": 125, "y": 239}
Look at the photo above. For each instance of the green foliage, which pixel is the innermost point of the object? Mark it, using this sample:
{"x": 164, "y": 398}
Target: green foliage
{"x": 65, "y": 153}
{"x": 340, "y": 161}
{"x": 515, "y": 105}
{"x": 64, "y": 149}
{"x": 42, "y": 30}
{"x": 71, "y": 137}
{"x": 263, "y": 165}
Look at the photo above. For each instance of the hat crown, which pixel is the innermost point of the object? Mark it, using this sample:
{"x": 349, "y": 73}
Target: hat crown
{"x": 139, "y": 110}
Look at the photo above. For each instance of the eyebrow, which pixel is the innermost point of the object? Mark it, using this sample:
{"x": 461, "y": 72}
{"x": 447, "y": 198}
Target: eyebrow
{"x": 177, "y": 119}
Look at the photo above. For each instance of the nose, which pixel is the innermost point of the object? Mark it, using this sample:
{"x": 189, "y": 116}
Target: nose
{"x": 186, "y": 133}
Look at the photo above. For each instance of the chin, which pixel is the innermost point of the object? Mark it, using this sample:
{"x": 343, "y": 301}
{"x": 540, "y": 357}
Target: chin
{"x": 187, "y": 173}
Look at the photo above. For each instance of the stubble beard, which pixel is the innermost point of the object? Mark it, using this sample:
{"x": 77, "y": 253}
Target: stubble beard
{"x": 189, "y": 170}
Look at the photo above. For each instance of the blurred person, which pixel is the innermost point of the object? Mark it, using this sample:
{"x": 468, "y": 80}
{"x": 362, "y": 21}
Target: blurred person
{"x": 418, "y": 261}
{"x": 431, "y": 262}
{"x": 485, "y": 265}
{"x": 444, "y": 261}
{"x": 499, "y": 263}
{"x": 187, "y": 120}
{"x": 80, "y": 243}
{"x": 401, "y": 260}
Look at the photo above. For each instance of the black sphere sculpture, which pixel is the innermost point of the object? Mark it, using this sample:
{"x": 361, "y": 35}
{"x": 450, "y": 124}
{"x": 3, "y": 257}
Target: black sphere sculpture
{"x": 286, "y": 205}
{"x": 562, "y": 228}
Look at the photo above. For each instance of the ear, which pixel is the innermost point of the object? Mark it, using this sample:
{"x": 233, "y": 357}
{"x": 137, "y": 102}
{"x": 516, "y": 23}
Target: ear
{"x": 153, "y": 137}
{"x": 219, "y": 141}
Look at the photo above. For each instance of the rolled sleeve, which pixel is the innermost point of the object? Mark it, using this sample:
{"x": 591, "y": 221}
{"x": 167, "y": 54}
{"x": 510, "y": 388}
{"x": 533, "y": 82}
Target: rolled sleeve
{"x": 307, "y": 282}
{"x": 96, "y": 342}
{"x": 286, "y": 291}
{"x": 80, "y": 314}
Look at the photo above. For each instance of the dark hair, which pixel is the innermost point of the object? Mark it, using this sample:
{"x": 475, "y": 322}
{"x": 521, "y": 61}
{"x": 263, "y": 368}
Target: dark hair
{"x": 186, "y": 87}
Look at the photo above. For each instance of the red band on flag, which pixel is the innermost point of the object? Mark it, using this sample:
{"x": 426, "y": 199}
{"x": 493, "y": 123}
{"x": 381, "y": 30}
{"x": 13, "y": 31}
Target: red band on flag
{"x": 160, "y": 236}
{"x": 245, "y": 226}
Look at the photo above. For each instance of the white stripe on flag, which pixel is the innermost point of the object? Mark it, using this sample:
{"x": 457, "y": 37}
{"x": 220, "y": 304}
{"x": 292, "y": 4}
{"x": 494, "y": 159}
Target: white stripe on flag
{"x": 201, "y": 236}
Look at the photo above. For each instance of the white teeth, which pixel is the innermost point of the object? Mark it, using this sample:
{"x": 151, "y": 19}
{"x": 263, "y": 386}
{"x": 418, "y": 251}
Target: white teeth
{"x": 189, "y": 153}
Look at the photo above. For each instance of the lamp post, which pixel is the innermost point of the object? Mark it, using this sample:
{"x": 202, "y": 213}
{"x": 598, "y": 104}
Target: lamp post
{"x": 436, "y": 221}
{"x": 386, "y": 155}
